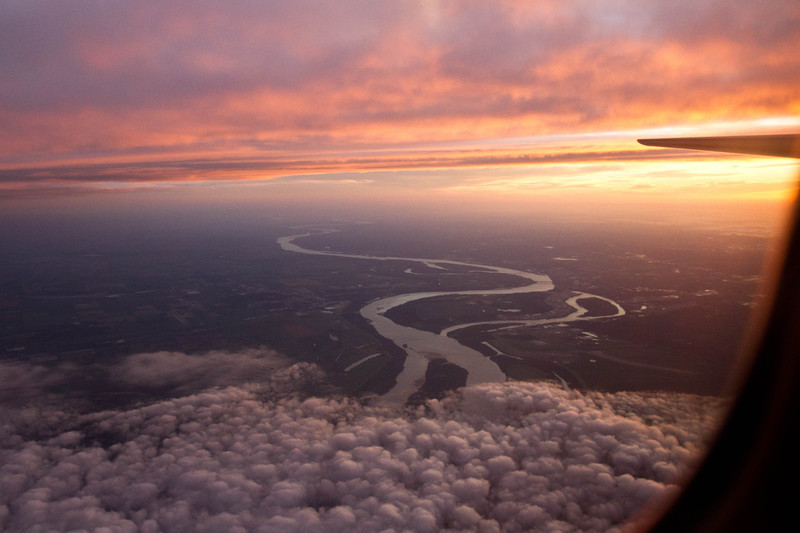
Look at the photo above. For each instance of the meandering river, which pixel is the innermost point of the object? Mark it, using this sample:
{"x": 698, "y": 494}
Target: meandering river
{"x": 420, "y": 346}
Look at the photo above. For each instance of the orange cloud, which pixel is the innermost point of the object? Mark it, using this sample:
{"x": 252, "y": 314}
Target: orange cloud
{"x": 315, "y": 87}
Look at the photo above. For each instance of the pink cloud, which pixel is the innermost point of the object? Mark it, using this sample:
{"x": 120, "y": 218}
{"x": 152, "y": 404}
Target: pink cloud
{"x": 516, "y": 456}
{"x": 154, "y": 77}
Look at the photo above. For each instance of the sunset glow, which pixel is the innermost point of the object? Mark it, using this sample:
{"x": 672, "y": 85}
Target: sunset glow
{"x": 433, "y": 95}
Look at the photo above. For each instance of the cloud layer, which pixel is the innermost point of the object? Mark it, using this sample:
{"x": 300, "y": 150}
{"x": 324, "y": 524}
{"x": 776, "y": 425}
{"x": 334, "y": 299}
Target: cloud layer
{"x": 135, "y": 377}
{"x": 510, "y": 457}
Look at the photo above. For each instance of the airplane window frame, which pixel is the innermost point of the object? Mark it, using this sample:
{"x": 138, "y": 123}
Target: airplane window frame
{"x": 741, "y": 483}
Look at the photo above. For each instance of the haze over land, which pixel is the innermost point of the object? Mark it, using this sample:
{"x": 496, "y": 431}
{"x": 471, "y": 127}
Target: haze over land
{"x": 166, "y": 366}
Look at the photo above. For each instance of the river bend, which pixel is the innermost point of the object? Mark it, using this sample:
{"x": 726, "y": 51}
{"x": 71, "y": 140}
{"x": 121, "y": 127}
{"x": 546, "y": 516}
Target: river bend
{"x": 421, "y": 346}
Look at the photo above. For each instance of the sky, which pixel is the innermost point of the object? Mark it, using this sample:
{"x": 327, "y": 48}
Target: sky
{"x": 454, "y": 96}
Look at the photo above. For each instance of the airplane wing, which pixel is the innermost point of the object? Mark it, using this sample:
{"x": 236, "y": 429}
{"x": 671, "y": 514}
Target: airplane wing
{"x": 782, "y": 145}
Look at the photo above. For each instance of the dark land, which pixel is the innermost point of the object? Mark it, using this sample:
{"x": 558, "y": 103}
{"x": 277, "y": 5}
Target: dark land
{"x": 86, "y": 293}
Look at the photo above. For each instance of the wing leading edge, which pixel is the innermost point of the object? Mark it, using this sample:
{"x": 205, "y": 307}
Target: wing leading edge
{"x": 782, "y": 145}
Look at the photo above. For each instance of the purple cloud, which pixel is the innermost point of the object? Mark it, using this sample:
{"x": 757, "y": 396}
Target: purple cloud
{"x": 509, "y": 457}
